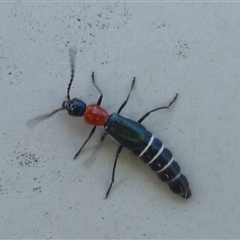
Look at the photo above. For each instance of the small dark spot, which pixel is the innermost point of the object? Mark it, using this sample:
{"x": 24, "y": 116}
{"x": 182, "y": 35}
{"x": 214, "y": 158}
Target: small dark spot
{"x": 37, "y": 189}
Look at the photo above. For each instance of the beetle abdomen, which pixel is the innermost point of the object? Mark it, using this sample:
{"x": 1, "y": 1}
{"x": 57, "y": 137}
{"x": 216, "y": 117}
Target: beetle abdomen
{"x": 134, "y": 136}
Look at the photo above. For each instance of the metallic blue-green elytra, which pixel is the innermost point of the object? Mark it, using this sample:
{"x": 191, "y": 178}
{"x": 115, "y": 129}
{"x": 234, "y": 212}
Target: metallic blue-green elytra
{"x": 132, "y": 135}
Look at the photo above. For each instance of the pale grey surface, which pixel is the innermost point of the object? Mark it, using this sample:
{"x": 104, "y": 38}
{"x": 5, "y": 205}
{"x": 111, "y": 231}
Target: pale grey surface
{"x": 189, "y": 48}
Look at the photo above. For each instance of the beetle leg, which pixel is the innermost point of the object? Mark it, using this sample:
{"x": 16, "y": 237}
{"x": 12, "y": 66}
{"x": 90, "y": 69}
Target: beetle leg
{"x": 90, "y": 135}
{"x": 156, "y": 109}
{"x": 113, "y": 171}
{"x": 103, "y": 136}
{"x": 122, "y": 106}
{"x": 101, "y": 95}
{"x": 125, "y": 102}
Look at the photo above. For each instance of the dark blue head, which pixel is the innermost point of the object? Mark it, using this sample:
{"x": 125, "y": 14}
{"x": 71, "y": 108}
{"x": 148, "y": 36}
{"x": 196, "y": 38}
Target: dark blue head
{"x": 75, "y": 107}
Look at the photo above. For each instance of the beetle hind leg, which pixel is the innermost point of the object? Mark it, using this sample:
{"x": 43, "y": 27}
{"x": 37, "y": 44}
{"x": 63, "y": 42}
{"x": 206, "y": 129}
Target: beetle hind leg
{"x": 114, "y": 168}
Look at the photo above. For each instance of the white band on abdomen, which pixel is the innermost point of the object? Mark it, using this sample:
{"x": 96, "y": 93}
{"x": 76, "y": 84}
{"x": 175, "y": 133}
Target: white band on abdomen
{"x": 166, "y": 166}
{"x": 158, "y": 153}
{"x": 146, "y": 148}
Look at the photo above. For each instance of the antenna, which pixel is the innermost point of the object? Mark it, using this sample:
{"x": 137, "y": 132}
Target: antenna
{"x": 72, "y": 53}
{"x": 34, "y": 121}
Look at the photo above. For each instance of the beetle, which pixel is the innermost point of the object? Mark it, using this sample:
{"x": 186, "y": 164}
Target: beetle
{"x": 130, "y": 134}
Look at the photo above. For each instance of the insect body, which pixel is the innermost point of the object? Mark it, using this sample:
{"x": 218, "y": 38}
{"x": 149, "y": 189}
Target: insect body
{"x": 129, "y": 134}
